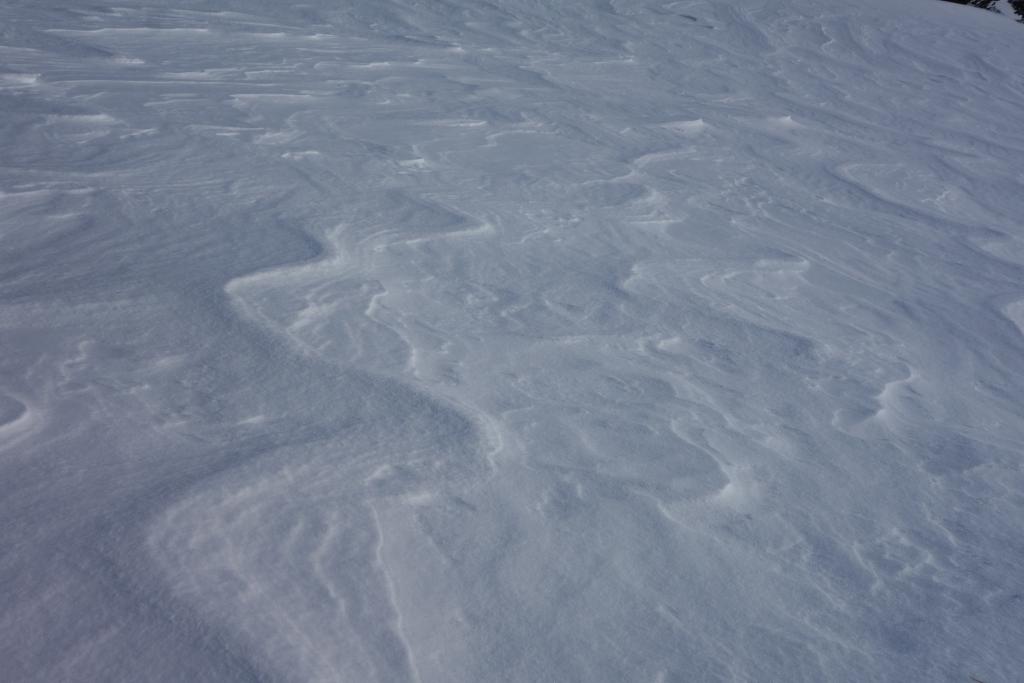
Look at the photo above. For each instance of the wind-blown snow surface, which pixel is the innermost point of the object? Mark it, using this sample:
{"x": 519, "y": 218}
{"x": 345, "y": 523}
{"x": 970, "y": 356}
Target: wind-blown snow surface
{"x": 394, "y": 340}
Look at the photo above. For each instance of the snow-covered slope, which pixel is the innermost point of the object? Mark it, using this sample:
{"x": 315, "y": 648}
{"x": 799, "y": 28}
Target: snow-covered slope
{"x": 453, "y": 340}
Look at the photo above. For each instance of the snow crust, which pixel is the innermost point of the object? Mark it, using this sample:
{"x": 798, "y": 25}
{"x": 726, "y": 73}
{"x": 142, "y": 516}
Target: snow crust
{"x": 596, "y": 340}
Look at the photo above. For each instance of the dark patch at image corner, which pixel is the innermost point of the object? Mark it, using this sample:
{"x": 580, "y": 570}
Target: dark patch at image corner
{"x": 1018, "y": 6}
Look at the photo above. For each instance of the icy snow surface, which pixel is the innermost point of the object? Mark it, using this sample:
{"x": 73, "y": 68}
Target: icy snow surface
{"x": 511, "y": 340}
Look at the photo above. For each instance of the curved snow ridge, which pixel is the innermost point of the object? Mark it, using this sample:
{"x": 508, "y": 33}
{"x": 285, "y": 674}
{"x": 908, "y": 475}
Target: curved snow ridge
{"x": 773, "y": 278}
{"x": 15, "y": 81}
{"x": 146, "y": 31}
{"x": 253, "y": 294}
{"x": 1015, "y": 313}
{"x": 17, "y": 420}
{"x": 917, "y": 189}
{"x": 891, "y": 396}
{"x": 283, "y": 554}
{"x": 688, "y": 128}
{"x": 288, "y": 564}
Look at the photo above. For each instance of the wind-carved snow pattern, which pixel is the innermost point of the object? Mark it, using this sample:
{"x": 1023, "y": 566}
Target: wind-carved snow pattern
{"x": 582, "y": 341}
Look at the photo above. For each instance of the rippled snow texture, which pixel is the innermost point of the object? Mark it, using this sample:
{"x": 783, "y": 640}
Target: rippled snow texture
{"x": 595, "y": 340}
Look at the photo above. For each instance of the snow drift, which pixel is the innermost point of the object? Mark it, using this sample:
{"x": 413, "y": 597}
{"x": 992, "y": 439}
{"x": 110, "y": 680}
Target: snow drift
{"x": 598, "y": 340}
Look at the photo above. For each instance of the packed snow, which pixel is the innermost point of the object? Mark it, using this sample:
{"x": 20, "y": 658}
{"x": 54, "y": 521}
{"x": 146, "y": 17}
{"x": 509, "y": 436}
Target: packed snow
{"x": 506, "y": 340}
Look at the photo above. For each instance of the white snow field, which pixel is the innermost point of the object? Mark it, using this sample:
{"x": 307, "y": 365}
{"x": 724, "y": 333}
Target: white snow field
{"x": 511, "y": 340}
